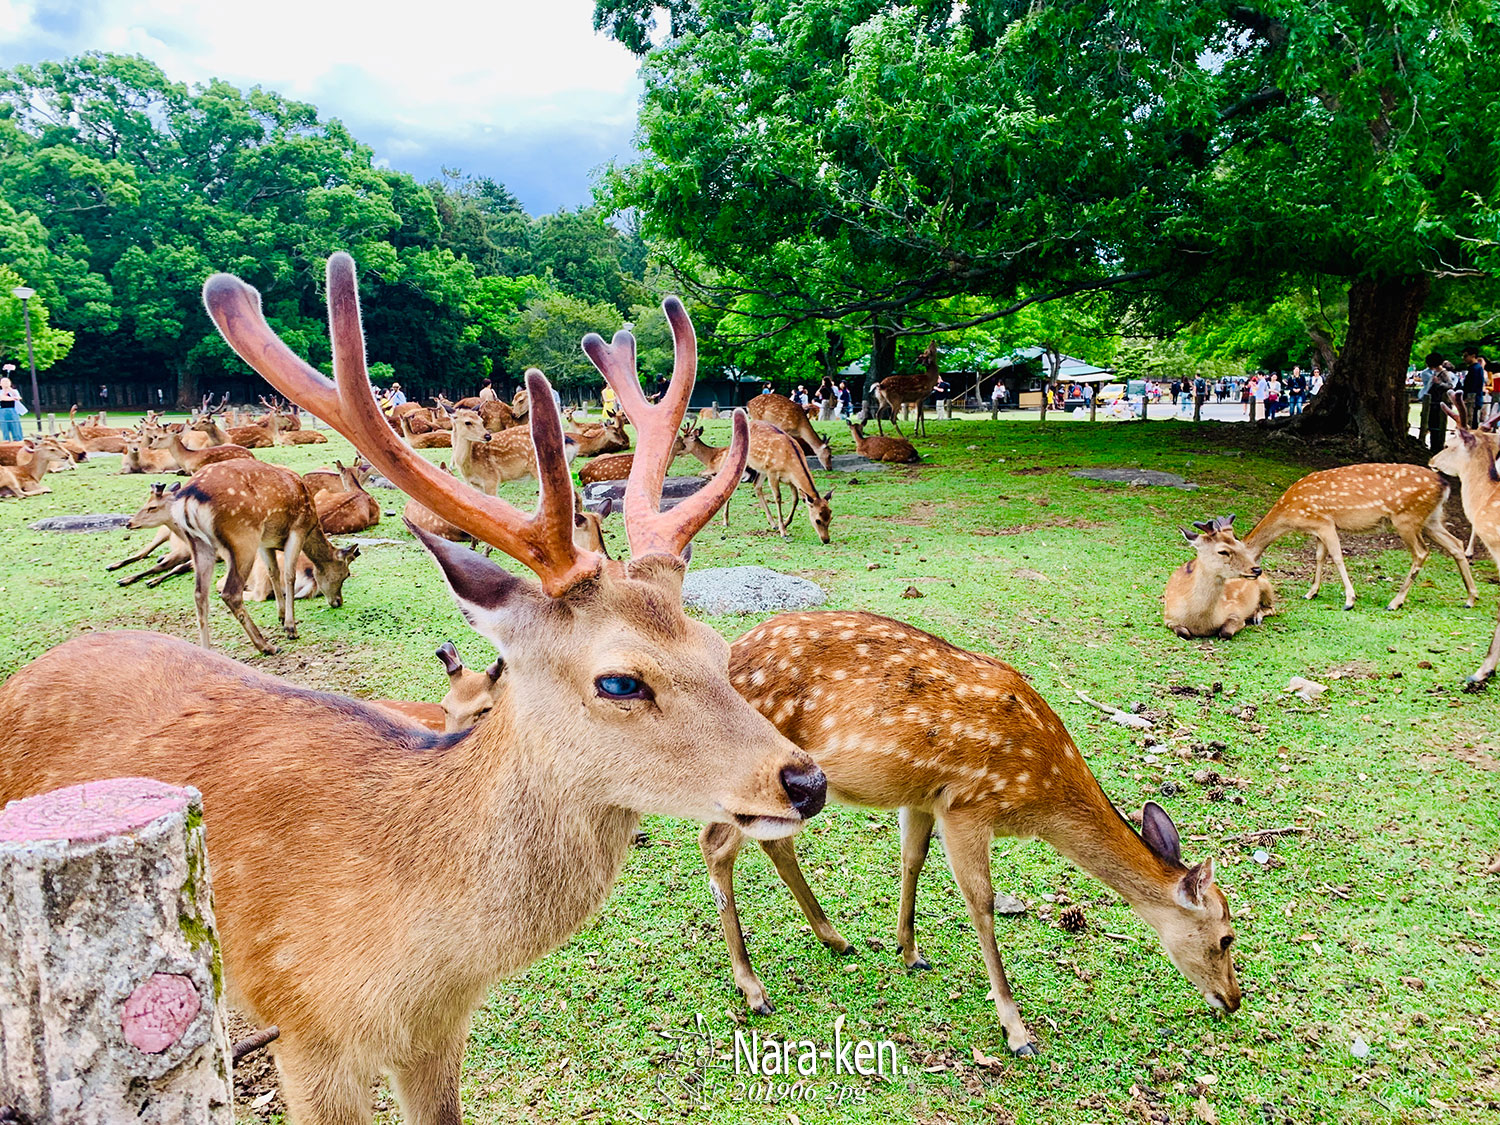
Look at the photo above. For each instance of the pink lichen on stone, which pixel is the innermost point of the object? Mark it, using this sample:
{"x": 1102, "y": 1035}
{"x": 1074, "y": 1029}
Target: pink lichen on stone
{"x": 95, "y": 810}
{"x": 157, "y": 1013}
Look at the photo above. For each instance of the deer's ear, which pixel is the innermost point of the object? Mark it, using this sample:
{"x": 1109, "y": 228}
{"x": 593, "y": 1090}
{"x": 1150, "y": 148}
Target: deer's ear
{"x": 447, "y": 652}
{"x": 1193, "y": 886}
{"x": 1190, "y": 536}
{"x": 494, "y": 670}
{"x": 485, "y": 591}
{"x": 1160, "y": 834}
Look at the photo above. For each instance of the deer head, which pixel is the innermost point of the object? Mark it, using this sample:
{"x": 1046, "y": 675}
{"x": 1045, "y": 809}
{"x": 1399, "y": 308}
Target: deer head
{"x": 615, "y": 695}
{"x": 1220, "y": 551}
{"x": 157, "y": 510}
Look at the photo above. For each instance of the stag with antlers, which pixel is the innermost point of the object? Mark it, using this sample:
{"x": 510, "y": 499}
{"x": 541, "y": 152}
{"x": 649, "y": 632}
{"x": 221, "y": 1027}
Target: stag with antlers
{"x": 371, "y": 879}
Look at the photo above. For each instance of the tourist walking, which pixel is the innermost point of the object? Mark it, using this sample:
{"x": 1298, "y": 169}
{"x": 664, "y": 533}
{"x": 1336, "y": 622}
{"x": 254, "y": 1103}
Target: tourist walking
{"x": 846, "y": 400}
{"x": 487, "y": 392}
{"x": 10, "y": 411}
{"x": 1473, "y": 385}
{"x": 1438, "y": 387}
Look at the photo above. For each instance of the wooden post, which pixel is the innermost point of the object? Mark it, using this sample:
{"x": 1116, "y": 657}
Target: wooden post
{"x": 109, "y": 963}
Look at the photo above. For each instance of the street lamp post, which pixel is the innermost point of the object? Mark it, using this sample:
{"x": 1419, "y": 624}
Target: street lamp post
{"x": 24, "y": 295}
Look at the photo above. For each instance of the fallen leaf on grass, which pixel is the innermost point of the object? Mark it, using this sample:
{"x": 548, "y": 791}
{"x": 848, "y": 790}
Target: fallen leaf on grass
{"x": 989, "y": 1062}
{"x": 1306, "y": 690}
{"x": 1205, "y": 1112}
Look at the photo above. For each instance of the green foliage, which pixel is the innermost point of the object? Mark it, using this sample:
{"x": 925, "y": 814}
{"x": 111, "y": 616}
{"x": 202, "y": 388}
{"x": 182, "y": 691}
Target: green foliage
{"x": 547, "y": 332}
{"x": 121, "y": 191}
{"x": 48, "y": 344}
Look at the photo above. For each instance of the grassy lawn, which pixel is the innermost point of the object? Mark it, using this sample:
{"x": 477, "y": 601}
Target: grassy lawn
{"x": 1369, "y": 919}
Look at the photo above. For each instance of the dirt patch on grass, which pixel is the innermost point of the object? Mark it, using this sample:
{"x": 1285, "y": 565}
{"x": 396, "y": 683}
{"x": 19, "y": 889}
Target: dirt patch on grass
{"x": 1027, "y": 528}
{"x": 1034, "y": 470}
{"x": 919, "y": 514}
{"x": 1479, "y": 757}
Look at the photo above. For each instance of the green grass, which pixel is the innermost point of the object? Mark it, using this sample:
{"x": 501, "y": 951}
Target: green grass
{"x": 1374, "y": 921}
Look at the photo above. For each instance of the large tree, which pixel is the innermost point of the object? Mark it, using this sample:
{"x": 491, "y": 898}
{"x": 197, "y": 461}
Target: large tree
{"x": 857, "y": 161}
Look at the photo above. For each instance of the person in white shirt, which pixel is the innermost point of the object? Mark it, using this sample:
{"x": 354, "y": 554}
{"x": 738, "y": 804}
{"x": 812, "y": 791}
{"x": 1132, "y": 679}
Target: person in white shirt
{"x": 1317, "y": 383}
{"x": 397, "y": 398}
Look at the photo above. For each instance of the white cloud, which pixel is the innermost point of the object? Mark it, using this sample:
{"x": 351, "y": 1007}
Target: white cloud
{"x": 418, "y": 81}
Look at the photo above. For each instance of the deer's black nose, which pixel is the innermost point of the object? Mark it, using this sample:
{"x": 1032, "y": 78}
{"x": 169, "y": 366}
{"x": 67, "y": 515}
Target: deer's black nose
{"x": 807, "y": 788}
{"x": 1255, "y": 570}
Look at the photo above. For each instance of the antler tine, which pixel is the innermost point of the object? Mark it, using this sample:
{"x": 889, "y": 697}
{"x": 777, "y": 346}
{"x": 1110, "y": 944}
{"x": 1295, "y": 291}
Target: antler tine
{"x": 650, "y": 530}
{"x": 350, "y": 408}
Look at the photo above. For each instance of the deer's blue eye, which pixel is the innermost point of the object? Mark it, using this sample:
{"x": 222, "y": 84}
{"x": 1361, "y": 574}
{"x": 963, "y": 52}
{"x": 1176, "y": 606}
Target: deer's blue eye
{"x": 621, "y": 687}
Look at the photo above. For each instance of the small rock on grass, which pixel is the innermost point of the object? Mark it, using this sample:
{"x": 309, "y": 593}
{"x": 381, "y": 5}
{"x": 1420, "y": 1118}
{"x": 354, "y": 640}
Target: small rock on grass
{"x": 912, "y": 592}
{"x": 1008, "y": 904}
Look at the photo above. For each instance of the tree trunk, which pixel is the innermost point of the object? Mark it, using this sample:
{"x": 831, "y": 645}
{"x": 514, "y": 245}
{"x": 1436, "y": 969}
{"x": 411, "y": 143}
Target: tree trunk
{"x": 110, "y": 966}
{"x": 187, "y": 388}
{"x": 1365, "y": 395}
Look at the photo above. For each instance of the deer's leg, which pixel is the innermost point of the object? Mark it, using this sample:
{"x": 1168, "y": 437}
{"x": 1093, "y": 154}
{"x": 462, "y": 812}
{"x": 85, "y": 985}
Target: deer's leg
{"x": 1328, "y": 540}
{"x": 238, "y": 573}
{"x": 322, "y": 1090}
{"x": 895, "y": 410}
{"x": 162, "y": 535}
{"x": 173, "y": 569}
{"x": 720, "y": 844}
{"x": 204, "y": 557}
{"x": 286, "y": 588}
{"x": 783, "y": 853}
{"x": 427, "y": 1089}
{"x": 760, "y": 494}
{"x": 1473, "y": 538}
{"x": 274, "y": 579}
{"x": 1448, "y": 543}
{"x": 783, "y": 521}
{"x": 1491, "y": 660}
{"x": 1411, "y": 535}
{"x": 1317, "y": 584}
{"x": 916, "y": 838}
{"x": 967, "y": 841}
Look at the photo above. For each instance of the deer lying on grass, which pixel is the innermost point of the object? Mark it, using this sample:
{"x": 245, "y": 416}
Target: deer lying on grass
{"x": 426, "y": 866}
{"x": 188, "y": 460}
{"x": 332, "y": 480}
{"x": 141, "y": 458}
{"x": 32, "y": 462}
{"x": 898, "y": 451}
{"x": 419, "y": 516}
{"x": 430, "y": 439}
{"x": 617, "y": 466}
{"x": 965, "y": 744}
{"x": 1472, "y": 460}
{"x": 245, "y": 509}
{"x": 1222, "y": 590}
{"x": 471, "y": 695}
{"x": 71, "y": 451}
{"x": 775, "y": 458}
{"x": 485, "y": 460}
{"x": 601, "y": 437}
{"x": 349, "y": 510}
{"x": 246, "y": 437}
{"x": 96, "y": 439}
{"x": 896, "y": 391}
{"x": 157, "y": 512}
{"x": 1360, "y": 498}
{"x": 788, "y": 417}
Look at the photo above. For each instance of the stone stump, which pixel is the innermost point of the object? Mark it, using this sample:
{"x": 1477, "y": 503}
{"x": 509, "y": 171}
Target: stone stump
{"x": 110, "y": 974}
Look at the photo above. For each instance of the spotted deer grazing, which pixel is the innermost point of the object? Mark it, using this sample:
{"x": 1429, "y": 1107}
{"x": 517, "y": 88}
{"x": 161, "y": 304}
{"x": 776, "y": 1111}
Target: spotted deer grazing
{"x": 245, "y": 509}
{"x": 775, "y": 458}
{"x": 898, "y": 451}
{"x": 1472, "y": 460}
{"x": 427, "y": 866}
{"x": 1360, "y": 498}
{"x": 790, "y": 418}
{"x": 897, "y": 391}
{"x": 898, "y": 718}
{"x": 471, "y": 695}
{"x": 1222, "y": 590}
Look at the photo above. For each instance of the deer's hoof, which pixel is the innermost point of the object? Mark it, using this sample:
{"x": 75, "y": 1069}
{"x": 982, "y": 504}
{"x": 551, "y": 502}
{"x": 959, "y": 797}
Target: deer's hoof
{"x": 1475, "y": 683}
{"x": 1026, "y": 1051}
{"x": 1348, "y": 605}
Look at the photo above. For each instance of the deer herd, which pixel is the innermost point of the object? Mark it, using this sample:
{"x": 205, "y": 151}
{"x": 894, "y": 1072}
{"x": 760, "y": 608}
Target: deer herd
{"x": 441, "y": 846}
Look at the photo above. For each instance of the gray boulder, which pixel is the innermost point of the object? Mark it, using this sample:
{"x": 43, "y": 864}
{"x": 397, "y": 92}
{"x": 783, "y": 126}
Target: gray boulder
{"x": 105, "y": 521}
{"x": 748, "y": 589}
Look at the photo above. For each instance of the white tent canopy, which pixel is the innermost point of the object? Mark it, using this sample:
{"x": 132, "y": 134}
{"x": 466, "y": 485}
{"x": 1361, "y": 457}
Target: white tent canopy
{"x": 1071, "y": 370}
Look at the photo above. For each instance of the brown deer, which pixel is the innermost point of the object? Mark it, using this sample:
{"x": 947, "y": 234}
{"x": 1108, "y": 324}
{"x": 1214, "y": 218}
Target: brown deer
{"x": 431, "y": 524}
{"x": 471, "y": 695}
{"x": 141, "y": 458}
{"x": 1472, "y": 460}
{"x": 775, "y": 458}
{"x": 1360, "y": 498}
{"x": 10, "y": 451}
{"x": 485, "y": 460}
{"x": 898, "y": 451}
{"x": 617, "y": 466}
{"x": 1220, "y": 591}
{"x": 898, "y": 718}
{"x": 260, "y": 588}
{"x": 788, "y": 417}
{"x": 332, "y": 480}
{"x": 188, "y": 460}
{"x": 32, "y": 462}
{"x": 95, "y": 439}
{"x": 426, "y": 866}
{"x": 349, "y": 510}
{"x": 245, "y": 509}
{"x": 431, "y": 439}
{"x": 896, "y": 391}
{"x": 246, "y": 437}
{"x": 286, "y": 428}
{"x": 601, "y": 437}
